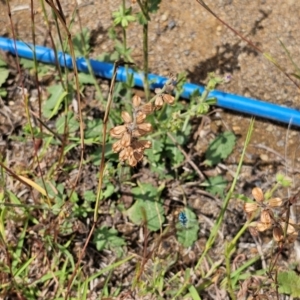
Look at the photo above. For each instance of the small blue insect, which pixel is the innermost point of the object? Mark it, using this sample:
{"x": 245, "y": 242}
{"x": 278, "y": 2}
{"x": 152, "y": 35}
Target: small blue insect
{"x": 183, "y": 218}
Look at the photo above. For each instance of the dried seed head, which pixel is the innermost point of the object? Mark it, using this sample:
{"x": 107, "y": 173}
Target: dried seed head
{"x": 159, "y": 102}
{"x": 250, "y": 207}
{"x": 168, "y": 98}
{"x": 132, "y": 161}
{"x": 157, "y": 91}
{"x": 258, "y": 194}
{"x": 126, "y": 117}
{"x": 278, "y": 234}
{"x": 117, "y": 147}
{"x": 147, "y": 108}
{"x": 275, "y": 202}
{"x": 118, "y": 131}
{"x": 136, "y": 145}
{"x": 142, "y": 129}
{"x": 128, "y": 146}
{"x": 138, "y": 154}
{"x": 123, "y": 155}
{"x": 126, "y": 139}
{"x": 144, "y": 144}
{"x": 136, "y": 101}
{"x": 265, "y": 216}
{"x": 135, "y": 156}
{"x": 140, "y": 117}
{"x": 262, "y": 226}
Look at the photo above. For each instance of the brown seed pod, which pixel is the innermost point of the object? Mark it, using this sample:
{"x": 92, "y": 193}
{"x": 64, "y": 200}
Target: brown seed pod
{"x": 275, "y": 202}
{"x": 278, "y": 234}
{"x": 142, "y": 129}
{"x": 159, "y": 102}
{"x": 262, "y": 226}
{"x": 118, "y": 131}
{"x": 117, "y": 146}
{"x": 140, "y": 117}
{"x": 250, "y": 207}
{"x": 126, "y": 139}
{"x": 266, "y": 217}
{"x": 258, "y": 194}
{"x": 168, "y": 98}
{"x": 126, "y": 117}
{"x": 147, "y": 108}
{"x": 136, "y": 101}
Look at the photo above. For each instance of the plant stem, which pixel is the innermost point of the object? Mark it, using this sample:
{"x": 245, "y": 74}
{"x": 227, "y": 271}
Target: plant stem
{"x": 145, "y": 49}
{"x": 124, "y": 29}
{"x": 220, "y": 218}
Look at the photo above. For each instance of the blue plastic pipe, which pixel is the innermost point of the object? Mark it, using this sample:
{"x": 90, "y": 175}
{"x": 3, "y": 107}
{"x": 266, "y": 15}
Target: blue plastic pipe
{"x": 225, "y": 100}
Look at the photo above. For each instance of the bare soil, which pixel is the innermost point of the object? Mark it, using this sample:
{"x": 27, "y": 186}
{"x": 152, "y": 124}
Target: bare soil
{"x": 185, "y": 37}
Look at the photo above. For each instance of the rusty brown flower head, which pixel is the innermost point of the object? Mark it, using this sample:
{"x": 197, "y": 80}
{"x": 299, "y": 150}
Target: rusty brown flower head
{"x": 260, "y": 203}
{"x": 162, "y": 98}
{"x": 283, "y": 229}
{"x": 128, "y": 146}
{"x": 265, "y": 208}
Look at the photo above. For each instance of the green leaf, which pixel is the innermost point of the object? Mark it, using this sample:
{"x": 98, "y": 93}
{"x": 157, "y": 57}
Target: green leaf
{"x": 93, "y": 129}
{"x": 155, "y": 152}
{"x": 122, "y": 50}
{"x": 145, "y": 191}
{"x": 189, "y": 234}
{"x": 141, "y": 18}
{"x": 107, "y": 238}
{"x": 147, "y": 209}
{"x": 3, "y": 92}
{"x": 72, "y": 123}
{"x": 123, "y": 17}
{"x": 27, "y": 63}
{"x": 216, "y": 185}
{"x": 174, "y": 154}
{"x": 53, "y": 104}
{"x": 3, "y": 75}
{"x": 81, "y": 42}
{"x": 283, "y": 180}
{"x": 89, "y": 196}
{"x": 2, "y": 63}
{"x": 41, "y": 68}
{"x": 289, "y": 283}
{"x": 220, "y": 148}
{"x": 85, "y": 78}
{"x": 148, "y": 212}
{"x": 153, "y": 5}
{"x": 108, "y": 191}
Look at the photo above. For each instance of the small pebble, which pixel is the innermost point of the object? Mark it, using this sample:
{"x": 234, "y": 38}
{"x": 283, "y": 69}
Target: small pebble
{"x": 164, "y": 17}
{"x": 236, "y": 129}
{"x": 264, "y": 157}
{"x": 171, "y": 24}
{"x": 280, "y": 143}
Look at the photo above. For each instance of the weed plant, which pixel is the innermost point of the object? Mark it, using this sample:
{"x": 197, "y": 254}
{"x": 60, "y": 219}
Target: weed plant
{"x": 94, "y": 203}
